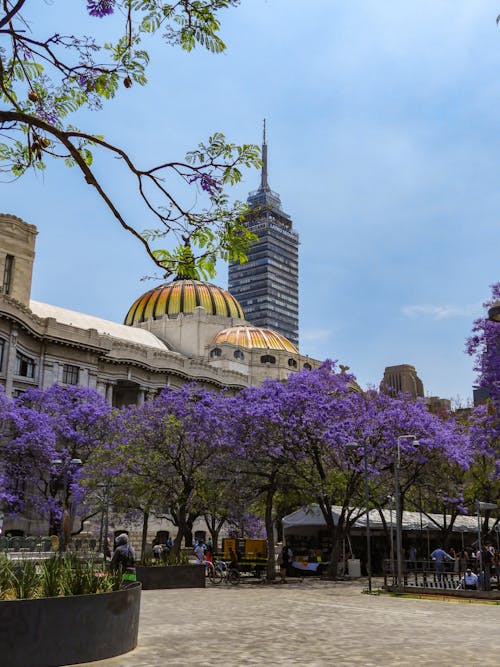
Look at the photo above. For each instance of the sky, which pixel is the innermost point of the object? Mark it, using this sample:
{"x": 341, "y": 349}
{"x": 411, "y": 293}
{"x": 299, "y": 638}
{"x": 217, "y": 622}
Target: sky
{"x": 383, "y": 132}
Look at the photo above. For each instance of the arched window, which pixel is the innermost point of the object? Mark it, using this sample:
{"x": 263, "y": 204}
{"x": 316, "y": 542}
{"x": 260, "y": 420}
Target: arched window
{"x": 216, "y": 352}
{"x": 292, "y": 363}
{"x": 307, "y": 366}
{"x": 267, "y": 359}
{"x": 238, "y": 354}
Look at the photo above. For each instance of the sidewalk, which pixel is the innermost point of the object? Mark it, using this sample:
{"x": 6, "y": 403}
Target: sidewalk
{"x": 310, "y": 623}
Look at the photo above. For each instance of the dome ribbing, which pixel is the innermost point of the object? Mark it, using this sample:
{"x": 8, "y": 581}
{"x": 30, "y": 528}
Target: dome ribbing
{"x": 183, "y": 296}
{"x": 255, "y": 338}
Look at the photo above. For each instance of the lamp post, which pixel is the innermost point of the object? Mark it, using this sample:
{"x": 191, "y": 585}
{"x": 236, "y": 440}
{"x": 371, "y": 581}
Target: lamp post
{"x": 391, "y": 501}
{"x": 399, "y": 521}
{"x": 367, "y": 503}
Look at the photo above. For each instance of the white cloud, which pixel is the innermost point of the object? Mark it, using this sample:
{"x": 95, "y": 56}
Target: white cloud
{"x": 440, "y": 312}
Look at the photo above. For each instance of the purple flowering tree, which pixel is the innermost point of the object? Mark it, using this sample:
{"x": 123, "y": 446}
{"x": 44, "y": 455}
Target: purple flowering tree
{"x": 163, "y": 455}
{"x": 265, "y": 447}
{"x": 336, "y": 426}
{"x": 45, "y": 78}
{"x": 27, "y": 449}
{"x": 484, "y": 346}
{"x": 484, "y": 421}
{"x": 78, "y": 418}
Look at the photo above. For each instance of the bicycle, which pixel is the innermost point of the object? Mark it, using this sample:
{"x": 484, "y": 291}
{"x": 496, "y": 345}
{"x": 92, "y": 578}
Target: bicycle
{"x": 213, "y": 573}
{"x": 219, "y": 571}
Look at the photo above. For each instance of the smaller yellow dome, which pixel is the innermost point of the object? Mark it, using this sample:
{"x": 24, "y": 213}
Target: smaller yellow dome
{"x": 250, "y": 337}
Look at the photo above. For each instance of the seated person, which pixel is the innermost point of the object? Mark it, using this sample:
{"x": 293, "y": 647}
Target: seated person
{"x": 469, "y": 581}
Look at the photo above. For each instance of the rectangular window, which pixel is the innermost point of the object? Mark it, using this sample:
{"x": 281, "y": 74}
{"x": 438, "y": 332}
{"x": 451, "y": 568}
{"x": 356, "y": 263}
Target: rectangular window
{"x": 7, "y": 274}
{"x": 2, "y": 352}
{"x": 25, "y": 367}
{"x": 70, "y": 374}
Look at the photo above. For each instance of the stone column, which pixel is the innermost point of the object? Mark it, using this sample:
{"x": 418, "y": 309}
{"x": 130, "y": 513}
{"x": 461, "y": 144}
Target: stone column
{"x": 11, "y": 362}
{"x": 109, "y": 393}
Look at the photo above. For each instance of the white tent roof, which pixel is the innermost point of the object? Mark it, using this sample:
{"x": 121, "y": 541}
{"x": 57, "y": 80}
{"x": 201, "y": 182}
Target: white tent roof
{"x": 312, "y": 516}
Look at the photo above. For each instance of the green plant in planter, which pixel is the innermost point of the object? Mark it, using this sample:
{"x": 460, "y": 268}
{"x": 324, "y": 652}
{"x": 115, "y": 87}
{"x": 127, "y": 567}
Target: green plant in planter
{"x": 25, "y": 580}
{"x": 5, "y": 576}
{"x": 51, "y": 574}
{"x": 180, "y": 559}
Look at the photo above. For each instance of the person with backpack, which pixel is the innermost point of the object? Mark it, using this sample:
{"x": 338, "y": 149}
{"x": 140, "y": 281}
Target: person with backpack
{"x": 124, "y": 558}
{"x": 285, "y": 562}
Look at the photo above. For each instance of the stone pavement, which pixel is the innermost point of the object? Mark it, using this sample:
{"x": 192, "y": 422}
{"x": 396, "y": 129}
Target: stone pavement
{"x": 309, "y": 623}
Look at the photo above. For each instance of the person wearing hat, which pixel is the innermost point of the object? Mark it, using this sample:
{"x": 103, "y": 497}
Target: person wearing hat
{"x": 469, "y": 581}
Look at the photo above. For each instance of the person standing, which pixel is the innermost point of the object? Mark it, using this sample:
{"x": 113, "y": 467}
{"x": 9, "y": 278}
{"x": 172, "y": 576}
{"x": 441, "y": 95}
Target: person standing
{"x": 439, "y": 556}
{"x": 199, "y": 552}
{"x": 285, "y": 562}
{"x": 124, "y": 558}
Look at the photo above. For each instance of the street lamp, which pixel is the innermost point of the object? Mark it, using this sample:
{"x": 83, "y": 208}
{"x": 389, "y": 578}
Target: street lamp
{"x": 391, "y": 501}
{"x": 367, "y": 502}
{"x": 482, "y": 506}
{"x": 399, "y": 520}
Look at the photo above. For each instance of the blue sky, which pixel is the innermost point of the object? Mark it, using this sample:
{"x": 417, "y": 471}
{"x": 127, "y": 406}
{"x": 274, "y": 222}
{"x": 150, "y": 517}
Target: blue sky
{"x": 384, "y": 145}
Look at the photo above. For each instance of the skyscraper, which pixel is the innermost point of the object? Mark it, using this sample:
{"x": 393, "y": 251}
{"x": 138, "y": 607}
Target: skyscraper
{"x": 267, "y": 286}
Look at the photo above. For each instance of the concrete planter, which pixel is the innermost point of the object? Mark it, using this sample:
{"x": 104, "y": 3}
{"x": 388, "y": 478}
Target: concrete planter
{"x": 171, "y": 576}
{"x": 48, "y": 632}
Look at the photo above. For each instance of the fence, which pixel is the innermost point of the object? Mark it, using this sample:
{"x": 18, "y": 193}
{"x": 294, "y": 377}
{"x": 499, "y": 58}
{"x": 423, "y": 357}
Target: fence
{"x": 426, "y": 574}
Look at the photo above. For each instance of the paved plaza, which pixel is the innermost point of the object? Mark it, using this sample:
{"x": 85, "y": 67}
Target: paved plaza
{"x": 310, "y": 623}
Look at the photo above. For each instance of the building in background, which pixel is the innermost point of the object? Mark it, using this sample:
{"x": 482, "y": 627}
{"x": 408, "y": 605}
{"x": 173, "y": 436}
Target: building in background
{"x": 402, "y": 379}
{"x": 182, "y": 331}
{"x": 267, "y": 286}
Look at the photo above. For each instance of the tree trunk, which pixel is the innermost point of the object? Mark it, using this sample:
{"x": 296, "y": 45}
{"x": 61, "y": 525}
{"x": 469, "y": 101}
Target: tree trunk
{"x": 145, "y": 521}
{"x": 271, "y": 561}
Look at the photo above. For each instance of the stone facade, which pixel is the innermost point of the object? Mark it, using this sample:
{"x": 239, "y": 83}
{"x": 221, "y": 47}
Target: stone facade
{"x": 17, "y": 254}
{"x": 402, "y": 379}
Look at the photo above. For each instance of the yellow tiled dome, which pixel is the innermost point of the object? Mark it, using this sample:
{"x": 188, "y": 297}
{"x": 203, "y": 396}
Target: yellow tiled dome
{"x": 183, "y": 296}
{"x": 255, "y": 337}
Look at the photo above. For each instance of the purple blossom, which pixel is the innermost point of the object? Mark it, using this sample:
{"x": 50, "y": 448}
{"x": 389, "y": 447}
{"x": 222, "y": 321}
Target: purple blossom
{"x": 207, "y": 183}
{"x": 100, "y": 8}
{"x": 48, "y": 115}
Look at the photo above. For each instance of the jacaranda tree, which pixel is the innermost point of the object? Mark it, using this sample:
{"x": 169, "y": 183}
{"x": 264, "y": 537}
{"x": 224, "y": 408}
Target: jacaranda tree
{"x": 79, "y": 421}
{"x": 27, "y": 449}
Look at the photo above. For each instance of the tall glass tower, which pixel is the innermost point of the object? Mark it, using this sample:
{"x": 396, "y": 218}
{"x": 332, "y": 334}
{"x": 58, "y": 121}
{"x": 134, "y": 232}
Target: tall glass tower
{"x": 267, "y": 286}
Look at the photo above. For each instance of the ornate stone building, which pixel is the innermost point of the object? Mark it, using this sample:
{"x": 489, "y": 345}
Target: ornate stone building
{"x": 183, "y": 331}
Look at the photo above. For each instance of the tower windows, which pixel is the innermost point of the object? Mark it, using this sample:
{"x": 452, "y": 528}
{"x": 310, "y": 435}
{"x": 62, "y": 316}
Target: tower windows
{"x": 215, "y": 353}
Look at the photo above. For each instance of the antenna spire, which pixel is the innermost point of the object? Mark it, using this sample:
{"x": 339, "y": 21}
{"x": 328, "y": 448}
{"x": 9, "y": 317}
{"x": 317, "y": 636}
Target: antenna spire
{"x": 264, "y": 185}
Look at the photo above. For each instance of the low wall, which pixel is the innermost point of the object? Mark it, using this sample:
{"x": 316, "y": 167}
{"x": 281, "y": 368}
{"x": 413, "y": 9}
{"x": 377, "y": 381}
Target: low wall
{"x": 171, "y": 576}
{"x": 49, "y": 632}
{"x": 447, "y": 592}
